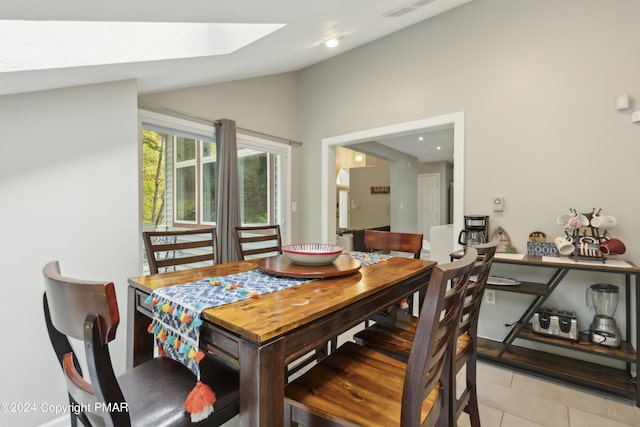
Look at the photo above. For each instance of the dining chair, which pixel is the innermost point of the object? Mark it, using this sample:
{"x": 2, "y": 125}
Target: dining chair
{"x": 387, "y": 241}
{"x": 262, "y": 241}
{"x": 171, "y": 249}
{"x": 393, "y": 241}
{"x": 258, "y": 241}
{"x": 152, "y": 393}
{"x": 395, "y": 336}
{"x": 357, "y": 385}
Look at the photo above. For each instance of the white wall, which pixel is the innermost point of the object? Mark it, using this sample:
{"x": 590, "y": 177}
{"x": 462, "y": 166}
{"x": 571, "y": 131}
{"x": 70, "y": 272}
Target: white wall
{"x": 68, "y": 192}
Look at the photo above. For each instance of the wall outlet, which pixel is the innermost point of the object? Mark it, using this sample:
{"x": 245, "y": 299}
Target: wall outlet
{"x": 490, "y": 296}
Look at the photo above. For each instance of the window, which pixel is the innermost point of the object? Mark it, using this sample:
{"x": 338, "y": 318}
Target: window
{"x": 180, "y": 175}
{"x": 263, "y": 174}
{"x": 195, "y": 181}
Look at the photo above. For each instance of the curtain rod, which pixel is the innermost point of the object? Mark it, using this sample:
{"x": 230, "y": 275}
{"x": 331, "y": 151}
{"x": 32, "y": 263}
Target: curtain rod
{"x": 164, "y": 110}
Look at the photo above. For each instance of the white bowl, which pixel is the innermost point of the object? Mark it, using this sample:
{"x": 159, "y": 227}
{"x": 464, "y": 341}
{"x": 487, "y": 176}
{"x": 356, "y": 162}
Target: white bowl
{"x": 312, "y": 253}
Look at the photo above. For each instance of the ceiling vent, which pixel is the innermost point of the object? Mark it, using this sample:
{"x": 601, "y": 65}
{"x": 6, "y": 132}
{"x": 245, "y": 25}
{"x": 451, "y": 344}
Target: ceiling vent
{"x": 403, "y": 10}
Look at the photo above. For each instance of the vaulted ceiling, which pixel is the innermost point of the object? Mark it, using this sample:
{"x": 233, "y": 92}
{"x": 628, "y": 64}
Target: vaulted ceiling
{"x": 298, "y": 44}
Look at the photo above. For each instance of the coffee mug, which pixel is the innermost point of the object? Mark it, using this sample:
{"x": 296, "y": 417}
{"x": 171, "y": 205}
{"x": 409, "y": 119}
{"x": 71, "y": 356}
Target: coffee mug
{"x": 604, "y": 222}
{"x": 612, "y": 247}
{"x": 564, "y": 245}
{"x": 588, "y": 246}
{"x": 572, "y": 221}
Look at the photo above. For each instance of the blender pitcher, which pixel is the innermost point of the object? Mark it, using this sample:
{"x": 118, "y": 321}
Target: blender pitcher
{"x": 604, "y": 300}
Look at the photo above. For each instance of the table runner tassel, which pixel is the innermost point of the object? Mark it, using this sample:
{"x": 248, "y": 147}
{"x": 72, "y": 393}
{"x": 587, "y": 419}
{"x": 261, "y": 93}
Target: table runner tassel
{"x": 200, "y": 402}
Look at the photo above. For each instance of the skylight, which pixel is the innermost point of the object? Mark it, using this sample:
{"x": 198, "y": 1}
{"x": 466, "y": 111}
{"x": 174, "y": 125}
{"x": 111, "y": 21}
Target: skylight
{"x": 38, "y": 45}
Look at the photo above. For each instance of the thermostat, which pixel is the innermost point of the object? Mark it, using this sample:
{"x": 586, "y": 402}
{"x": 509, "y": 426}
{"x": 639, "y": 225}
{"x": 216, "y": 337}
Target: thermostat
{"x": 498, "y": 204}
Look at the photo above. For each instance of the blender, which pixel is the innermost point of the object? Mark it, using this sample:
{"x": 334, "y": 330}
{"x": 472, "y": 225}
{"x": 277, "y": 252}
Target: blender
{"x": 604, "y": 299}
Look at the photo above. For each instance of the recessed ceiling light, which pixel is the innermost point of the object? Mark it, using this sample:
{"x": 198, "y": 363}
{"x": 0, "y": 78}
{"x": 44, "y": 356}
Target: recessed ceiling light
{"x": 438, "y": 147}
{"x": 420, "y": 139}
{"x": 332, "y": 42}
{"x": 37, "y": 45}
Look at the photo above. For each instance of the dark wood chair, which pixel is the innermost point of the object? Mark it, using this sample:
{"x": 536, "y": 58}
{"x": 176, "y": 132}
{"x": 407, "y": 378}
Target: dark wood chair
{"x": 393, "y": 241}
{"x": 262, "y": 241}
{"x": 387, "y": 241}
{"x": 357, "y": 385}
{"x": 394, "y": 336}
{"x": 151, "y": 394}
{"x": 167, "y": 250}
{"x": 258, "y": 241}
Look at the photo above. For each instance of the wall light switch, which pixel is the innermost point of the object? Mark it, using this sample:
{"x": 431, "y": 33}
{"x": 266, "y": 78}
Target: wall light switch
{"x": 635, "y": 116}
{"x": 498, "y": 204}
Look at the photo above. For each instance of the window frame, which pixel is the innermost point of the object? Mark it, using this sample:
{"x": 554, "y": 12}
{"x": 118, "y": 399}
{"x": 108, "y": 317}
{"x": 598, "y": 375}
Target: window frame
{"x": 197, "y": 129}
{"x": 246, "y": 140}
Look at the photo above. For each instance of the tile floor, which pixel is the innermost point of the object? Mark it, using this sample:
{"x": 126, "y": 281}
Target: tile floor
{"x": 514, "y": 399}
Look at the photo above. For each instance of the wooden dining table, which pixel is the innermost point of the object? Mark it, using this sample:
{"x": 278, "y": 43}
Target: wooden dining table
{"x": 262, "y": 335}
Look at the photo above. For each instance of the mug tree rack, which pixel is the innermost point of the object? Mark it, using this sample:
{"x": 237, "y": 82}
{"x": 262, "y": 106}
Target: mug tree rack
{"x": 586, "y": 239}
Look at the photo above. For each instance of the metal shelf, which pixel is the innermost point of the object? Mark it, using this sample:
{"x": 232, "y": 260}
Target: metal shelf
{"x": 610, "y": 380}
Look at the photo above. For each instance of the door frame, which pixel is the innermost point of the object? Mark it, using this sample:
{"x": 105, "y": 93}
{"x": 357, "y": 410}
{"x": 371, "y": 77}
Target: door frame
{"x": 329, "y": 145}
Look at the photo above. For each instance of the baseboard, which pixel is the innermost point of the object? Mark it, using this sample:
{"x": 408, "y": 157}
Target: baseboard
{"x": 63, "y": 421}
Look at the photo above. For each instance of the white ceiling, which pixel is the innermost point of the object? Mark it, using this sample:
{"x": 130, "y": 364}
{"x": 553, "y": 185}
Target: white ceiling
{"x": 436, "y": 144}
{"x": 297, "y": 45}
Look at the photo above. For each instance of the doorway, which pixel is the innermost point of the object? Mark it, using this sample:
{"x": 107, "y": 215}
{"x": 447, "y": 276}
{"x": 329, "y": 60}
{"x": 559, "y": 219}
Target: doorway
{"x": 456, "y": 120}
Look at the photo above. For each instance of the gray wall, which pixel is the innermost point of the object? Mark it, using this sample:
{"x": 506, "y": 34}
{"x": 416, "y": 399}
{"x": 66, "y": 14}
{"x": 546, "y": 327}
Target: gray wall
{"x": 537, "y": 82}
{"x": 403, "y": 204}
{"x": 372, "y": 209}
{"x": 69, "y": 192}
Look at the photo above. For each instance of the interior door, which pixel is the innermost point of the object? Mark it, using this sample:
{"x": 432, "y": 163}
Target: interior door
{"x": 428, "y": 203}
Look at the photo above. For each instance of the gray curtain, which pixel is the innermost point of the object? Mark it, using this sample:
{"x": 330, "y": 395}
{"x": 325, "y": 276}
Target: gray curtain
{"x": 228, "y": 197}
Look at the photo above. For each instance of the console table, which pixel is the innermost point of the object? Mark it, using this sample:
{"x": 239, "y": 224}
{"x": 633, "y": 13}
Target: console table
{"x": 618, "y": 382}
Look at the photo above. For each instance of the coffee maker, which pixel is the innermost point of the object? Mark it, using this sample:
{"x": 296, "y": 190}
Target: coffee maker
{"x": 604, "y": 299}
{"x": 476, "y": 230}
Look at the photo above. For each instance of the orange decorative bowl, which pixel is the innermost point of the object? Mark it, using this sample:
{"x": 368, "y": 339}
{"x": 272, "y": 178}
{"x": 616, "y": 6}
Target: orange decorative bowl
{"x": 312, "y": 253}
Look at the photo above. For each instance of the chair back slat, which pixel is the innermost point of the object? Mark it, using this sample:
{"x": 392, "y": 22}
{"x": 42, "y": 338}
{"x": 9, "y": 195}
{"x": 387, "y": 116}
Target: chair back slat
{"x": 393, "y": 241}
{"x": 258, "y": 241}
{"x": 435, "y": 332}
{"x": 169, "y": 249}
